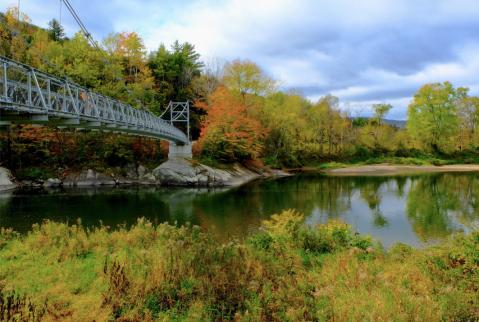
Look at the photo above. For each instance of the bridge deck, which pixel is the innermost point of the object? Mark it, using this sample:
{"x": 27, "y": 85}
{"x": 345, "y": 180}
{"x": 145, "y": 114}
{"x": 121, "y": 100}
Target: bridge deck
{"x": 30, "y": 96}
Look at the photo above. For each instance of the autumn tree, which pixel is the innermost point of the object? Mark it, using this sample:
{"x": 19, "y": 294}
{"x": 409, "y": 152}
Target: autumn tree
{"x": 468, "y": 113}
{"x": 11, "y": 46}
{"x": 281, "y": 115}
{"x": 228, "y": 134}
{"x": 247, "y": 77}
{"x": 432, "y": 119}
{"x": 380, "y": 133}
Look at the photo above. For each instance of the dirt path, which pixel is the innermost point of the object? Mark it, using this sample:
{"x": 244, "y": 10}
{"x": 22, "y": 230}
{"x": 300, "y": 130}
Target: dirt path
{"x": 384, "y": 169}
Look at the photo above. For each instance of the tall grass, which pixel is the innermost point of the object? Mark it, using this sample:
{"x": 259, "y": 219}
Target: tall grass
{"x": 286, "y": 272}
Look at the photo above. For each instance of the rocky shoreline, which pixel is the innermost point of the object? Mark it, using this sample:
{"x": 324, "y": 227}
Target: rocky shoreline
{"x": 176, "y": 171}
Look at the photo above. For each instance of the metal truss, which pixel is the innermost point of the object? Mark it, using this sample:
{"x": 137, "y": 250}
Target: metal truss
{"x": 179, "y": 112}
{"x": 30, "y": 96}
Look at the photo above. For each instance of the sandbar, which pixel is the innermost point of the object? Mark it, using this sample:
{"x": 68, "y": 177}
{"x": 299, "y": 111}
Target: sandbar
{"x": 385, "y": 169}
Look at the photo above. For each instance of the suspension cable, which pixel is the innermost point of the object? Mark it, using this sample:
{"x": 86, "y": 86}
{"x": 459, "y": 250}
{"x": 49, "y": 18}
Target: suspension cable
{"x": 95, "y": 46}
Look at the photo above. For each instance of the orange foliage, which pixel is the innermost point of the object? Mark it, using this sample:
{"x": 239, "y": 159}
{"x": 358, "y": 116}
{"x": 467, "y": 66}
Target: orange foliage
{"x": 228, "y": 134}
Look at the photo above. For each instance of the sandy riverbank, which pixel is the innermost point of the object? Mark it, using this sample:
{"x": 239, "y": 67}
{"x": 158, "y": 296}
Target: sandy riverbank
{"x": 384, "y": 169}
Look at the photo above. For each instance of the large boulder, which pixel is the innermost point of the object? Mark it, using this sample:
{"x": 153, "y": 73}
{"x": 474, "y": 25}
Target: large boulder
{"x": 87, "y": 178}
{"x": 131, "y": 172}
{"x": 141, "y": 171}
{"x": 6, "y": 178}
{"x": 184, "y": 171}
{"x": 149, "y": 177}
{"x": 52, "y": 183}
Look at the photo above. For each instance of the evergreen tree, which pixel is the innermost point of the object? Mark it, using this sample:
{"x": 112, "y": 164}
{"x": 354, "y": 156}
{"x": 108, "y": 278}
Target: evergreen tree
{"x": 55, "y": 30}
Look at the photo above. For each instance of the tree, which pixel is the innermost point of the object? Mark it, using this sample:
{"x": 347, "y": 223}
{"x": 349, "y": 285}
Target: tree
{"x": 11, "y": 46}
{"x": 55, "y": 30}
{"x": 174, "y": 73}
{"x": 112, "y": 43}
{"x": 228, "y": 134}
{"x": 432, "y": 119}
{"x": 380, "y": 133}
{"x": 210, "y": 79}
{"x": 247, "y": 77}
{"x": 132, "y": 47}
{"x": 468, "y": 112}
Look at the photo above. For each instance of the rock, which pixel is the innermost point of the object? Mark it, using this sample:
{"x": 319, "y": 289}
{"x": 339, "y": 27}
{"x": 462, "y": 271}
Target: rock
{"x": 52, "y": 183}
{"x": 87, "y": 178}
{"x": 112, "y": 175}
{"x": 26, "y": 183}
{"x": 6, "y": 180}
{"x": 182, "y": 171}
{"x": 90, "y": 174}
{"x": 142, "y": 171}
{"x": 149, "y": 177}
{"x": 130, "y": 170}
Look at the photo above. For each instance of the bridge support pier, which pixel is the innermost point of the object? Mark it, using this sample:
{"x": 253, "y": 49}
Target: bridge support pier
{"x": 182, "y": 151}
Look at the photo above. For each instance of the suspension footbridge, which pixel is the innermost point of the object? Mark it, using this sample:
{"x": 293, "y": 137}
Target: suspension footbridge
{"x": 31, "y": 96}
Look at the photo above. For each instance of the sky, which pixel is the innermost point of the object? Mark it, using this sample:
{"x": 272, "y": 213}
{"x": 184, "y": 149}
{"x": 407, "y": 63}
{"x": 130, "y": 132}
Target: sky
{"x": 363, "y": 52}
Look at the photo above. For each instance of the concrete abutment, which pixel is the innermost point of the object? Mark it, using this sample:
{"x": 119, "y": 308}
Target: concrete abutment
{"x": 180, "y": 150}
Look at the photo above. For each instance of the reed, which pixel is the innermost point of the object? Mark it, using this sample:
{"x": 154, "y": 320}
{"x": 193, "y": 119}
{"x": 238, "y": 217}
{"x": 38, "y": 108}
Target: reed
{"x": 286, "y": 272}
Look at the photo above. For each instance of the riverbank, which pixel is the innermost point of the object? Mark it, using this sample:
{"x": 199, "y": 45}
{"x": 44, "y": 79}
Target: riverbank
{"x": 176, "y": 171}
{"x": 288, "y": 273}
{"x": 389, "y": 169}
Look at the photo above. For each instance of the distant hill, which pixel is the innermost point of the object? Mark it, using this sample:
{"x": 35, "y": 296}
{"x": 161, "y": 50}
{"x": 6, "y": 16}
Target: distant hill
{"x": 399, "y": 124}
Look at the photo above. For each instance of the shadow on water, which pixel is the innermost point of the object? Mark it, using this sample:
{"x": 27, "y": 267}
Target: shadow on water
{"x": 406, "y": 208}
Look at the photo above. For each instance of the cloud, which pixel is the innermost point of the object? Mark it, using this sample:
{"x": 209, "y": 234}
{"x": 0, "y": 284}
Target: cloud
{"x": 361, "y": 51}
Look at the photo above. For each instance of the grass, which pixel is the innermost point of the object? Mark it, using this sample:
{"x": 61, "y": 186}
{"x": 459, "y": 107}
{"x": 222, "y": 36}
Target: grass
{"x": 286, "y": 272}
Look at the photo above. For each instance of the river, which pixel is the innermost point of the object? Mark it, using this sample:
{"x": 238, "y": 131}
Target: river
{"x": 415, "y": 209}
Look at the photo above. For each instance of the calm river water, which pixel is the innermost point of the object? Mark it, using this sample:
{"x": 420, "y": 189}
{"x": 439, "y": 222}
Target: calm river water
{"x": 406, "y": 208}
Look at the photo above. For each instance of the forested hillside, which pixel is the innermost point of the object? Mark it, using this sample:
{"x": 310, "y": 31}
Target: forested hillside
{"x": 238, "y": 111}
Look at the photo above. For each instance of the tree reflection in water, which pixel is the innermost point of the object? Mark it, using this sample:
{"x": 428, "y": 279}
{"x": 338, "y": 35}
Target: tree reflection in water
{"x": 405, "y": 208}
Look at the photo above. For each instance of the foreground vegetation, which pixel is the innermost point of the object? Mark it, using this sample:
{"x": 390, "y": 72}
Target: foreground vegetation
{"x": 288, "y": 272}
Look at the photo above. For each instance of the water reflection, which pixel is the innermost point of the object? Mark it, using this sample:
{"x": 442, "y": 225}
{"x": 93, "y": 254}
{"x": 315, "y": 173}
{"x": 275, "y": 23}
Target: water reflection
{"x": 404, "y": 208}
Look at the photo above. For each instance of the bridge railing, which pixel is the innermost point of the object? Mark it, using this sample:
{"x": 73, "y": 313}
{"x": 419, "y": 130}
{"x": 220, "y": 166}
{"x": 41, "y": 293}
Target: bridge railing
{"x": 26, "y": 89}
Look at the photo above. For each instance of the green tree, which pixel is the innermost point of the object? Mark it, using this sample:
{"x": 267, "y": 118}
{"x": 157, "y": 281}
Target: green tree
{"x": 175, "y": 72}
{"x": 247, "y": 77}
{"x": 55, "y": 30}
{"x": 380, "y": 133}
{"x": 468, "y": 112}
{"x": 432, "y": 118}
